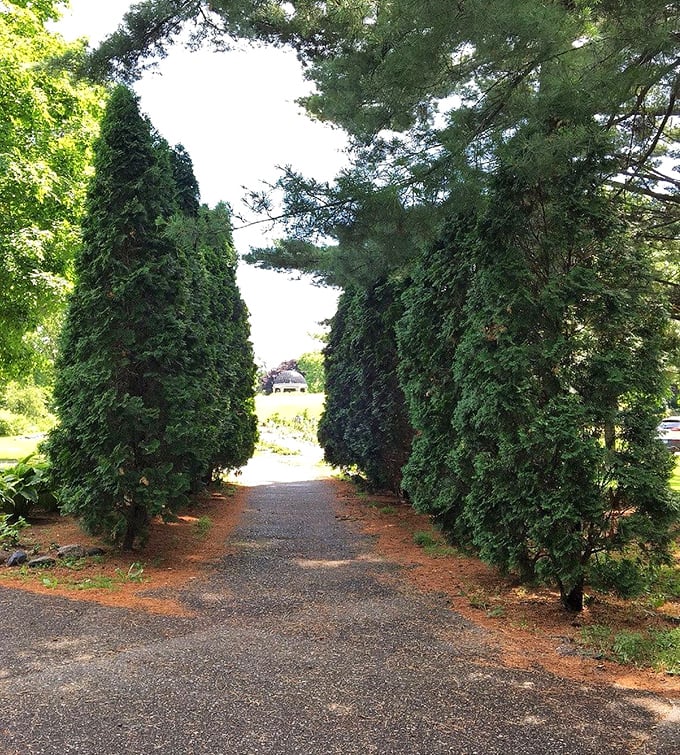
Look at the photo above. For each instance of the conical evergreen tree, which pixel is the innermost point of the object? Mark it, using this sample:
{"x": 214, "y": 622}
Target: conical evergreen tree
{"x": 222, "y": 430}
{"x": 365, "y": 422}
{"x": 121, "y": 369}
{"x": 533, "y": 349}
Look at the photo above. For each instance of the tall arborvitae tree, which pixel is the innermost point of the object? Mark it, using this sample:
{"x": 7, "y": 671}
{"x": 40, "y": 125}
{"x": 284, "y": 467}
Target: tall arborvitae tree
{"x": 234, "y": 361}
{"x": 121, "y": 373}
{"x": 542, "y": 432}
{"x": 436, "y": 296}
{"x": 364, "y": 423}
{"x": 219, "y": 430}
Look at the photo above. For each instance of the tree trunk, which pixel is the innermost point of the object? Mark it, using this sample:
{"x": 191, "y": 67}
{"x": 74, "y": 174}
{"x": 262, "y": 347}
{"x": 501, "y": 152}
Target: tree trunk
{"x": 136, "y": 520}
{"x": 573, "y": 600}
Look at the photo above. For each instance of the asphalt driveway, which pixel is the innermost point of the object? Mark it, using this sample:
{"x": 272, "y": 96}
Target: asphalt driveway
{"x": 301, "y": 642}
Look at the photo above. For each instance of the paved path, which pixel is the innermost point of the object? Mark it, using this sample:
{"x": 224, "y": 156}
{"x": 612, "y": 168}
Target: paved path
{"x": 304, "y": 642}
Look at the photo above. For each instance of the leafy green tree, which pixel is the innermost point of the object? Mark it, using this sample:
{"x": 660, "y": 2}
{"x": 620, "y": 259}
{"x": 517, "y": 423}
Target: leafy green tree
{"x": 121, "y": 369}
{"x": 364, "y": 423}
{"x": 48, "y": 120}
{"x": 310, "y": 365}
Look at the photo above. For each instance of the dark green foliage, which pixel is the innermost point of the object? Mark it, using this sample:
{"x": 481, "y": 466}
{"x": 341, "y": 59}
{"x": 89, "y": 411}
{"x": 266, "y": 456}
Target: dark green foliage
{"x": 188, "y": 194}
{"x": 220, "y": 431}
{"x": 148, "y": 406}
{"x": 436, "y": 294}
{"x": 229, "y": 332}
{"x": 364, "y": 423}
{"x": 121, "y": 362}
{"x": 542, "y": 429}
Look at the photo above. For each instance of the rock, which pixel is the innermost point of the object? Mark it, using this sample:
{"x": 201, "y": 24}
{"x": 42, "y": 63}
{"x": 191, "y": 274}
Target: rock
{"x": 17, "y": 558}
{"x": 43, "y": 562}
{"x": 94, "y": 551}
{"x": 71, "y": 551}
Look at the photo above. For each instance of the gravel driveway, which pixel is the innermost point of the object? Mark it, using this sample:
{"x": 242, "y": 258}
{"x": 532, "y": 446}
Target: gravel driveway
{"x": 303, "y": 641}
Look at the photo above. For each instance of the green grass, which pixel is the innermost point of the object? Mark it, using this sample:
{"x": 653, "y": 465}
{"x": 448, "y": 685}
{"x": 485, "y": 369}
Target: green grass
{"x": 675, "y": 479}
{"x": 655, "y": 648}
{"x": 15, "y": 448}
{"x": 289, "y": 405}
{"x": 277, "y": 448}
{"x": 202, "y": 527}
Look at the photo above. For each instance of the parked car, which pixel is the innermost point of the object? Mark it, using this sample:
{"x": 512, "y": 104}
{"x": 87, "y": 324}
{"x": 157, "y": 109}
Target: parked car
{"x": 669, "y": 433}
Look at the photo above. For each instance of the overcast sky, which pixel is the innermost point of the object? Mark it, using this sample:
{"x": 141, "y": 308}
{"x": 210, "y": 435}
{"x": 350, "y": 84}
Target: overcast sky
{"x": 235, "y": 113}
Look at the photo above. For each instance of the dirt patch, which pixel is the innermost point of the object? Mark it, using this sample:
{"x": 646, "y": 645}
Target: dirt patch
{"x": 532, "y": 628}
{"x": 149, "y": 578}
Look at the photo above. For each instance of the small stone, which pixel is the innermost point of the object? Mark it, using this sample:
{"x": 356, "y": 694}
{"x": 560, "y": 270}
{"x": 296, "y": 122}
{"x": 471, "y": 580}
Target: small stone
{"x": 567, "y": 649}
{"x": 71, "y": 551}
{"x": 17, "y": 558}
{"x": 94, "y": 551}
{"x": 41, "y": 562}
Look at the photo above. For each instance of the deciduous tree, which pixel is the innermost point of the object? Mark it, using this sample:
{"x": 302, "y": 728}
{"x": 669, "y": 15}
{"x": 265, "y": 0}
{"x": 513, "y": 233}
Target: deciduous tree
{"x": 48, "y": 120}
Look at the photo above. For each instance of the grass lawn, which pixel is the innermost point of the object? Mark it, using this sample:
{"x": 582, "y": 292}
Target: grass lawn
{"x": 675, "y": 479}
{"x": 289, "y": 405}
{"x": 15, "y": 448}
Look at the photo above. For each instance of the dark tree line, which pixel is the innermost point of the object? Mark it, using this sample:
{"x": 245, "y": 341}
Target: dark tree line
{"x": 155, "y": 377}
{"x": 365, "y": 422}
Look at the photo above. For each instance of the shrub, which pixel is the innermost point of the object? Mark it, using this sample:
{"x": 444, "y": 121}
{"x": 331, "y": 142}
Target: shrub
{"x": 24, "y": 485}
{"x": 10, "y": 531}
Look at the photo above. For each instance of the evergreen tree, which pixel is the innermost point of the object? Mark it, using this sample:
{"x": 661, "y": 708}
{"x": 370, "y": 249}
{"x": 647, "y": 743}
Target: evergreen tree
{"x": 121, "y": 369}
{"x": 234, "y": 361}
{"x": 542, "y": 427}
{"x": 364, "y": 423}
{"x": 428, "y": 334}
{"x": 220, "y": 430}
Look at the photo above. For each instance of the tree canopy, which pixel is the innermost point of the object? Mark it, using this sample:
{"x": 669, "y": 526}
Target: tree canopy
{"x": 431, "y": 93}
{"x": 48, "y": 119}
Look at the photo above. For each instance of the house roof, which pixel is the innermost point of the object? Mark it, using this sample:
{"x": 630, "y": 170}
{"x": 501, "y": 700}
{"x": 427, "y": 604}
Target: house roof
{"x": 289, "y": 376}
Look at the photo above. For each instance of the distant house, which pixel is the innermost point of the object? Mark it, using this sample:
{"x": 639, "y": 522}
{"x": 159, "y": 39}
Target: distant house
{"x": 289, "y": 381}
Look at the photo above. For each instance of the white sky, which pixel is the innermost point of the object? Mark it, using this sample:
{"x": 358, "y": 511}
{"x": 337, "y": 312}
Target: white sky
{"x": 235, "y": 113}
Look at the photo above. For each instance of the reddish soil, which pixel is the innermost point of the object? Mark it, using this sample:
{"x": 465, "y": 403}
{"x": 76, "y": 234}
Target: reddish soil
{"x": 529, "y": 624}
{"x": 175, "y": 554}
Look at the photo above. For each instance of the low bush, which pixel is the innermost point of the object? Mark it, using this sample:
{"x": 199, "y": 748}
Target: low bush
{"x": 25, "y": 485}
{"x": 10, "y": 531}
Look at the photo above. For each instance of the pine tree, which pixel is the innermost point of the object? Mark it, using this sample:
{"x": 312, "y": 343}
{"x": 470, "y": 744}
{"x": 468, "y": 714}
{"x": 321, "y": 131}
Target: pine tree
{"x": 121, "y": 369}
